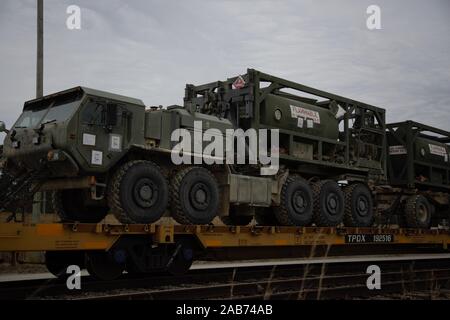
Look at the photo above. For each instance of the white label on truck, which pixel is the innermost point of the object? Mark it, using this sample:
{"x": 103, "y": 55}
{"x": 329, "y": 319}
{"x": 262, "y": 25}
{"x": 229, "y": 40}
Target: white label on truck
{"x": 439, "y": 151}
{"x": 97, "y": 157}
{"x": 115, "y": 142}
{"x": 88, "y": 139}
{"x": 300, "y": 122}
{"x": 299, "y": 112}
{"x": 309, "y": 123}
{"x": 397, "y": 150}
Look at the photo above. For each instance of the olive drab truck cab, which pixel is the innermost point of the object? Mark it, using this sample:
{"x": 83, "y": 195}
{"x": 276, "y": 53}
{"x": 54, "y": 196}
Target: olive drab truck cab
{"x": 69, "y": 139}
{"x": 78, "y": 131}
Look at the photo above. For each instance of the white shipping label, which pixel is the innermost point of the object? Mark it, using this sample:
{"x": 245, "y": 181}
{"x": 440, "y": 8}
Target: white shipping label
{"x": 300, "y": 122}
{"x": 297, "y": 112}
{"x": 309, "y": 123}
{"x": 88, "y": 139}
{"x": 115, "y": 142}
{"x": 396, "y": 150}
{"x": 438, "y": 150}
{"x": 97, "y": 157}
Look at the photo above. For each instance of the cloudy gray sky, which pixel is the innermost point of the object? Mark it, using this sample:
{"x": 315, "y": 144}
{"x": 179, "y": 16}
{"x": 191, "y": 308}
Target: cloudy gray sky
{"x": 150, "y": 49}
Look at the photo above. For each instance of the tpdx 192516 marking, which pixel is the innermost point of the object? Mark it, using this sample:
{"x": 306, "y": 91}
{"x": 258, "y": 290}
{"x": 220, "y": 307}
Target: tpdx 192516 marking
{"x": 369, "y": 238}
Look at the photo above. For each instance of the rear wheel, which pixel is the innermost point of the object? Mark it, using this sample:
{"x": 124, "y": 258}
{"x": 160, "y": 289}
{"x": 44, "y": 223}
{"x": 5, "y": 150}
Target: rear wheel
{"x": 296, "y": 206}
{"x": 138, "y": 193}
{"x": 358, "y": 206}
{"x": 102, "y": 266}
{"x": 195, "y": 196}
{"x": 72, "y": 205}
{"x": 417, "y": 212}
{"x": 328, "y": 203}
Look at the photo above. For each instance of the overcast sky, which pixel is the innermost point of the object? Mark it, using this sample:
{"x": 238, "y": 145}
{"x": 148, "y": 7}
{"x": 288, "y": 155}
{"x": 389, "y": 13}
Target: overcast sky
{"x": 151, "y": 49}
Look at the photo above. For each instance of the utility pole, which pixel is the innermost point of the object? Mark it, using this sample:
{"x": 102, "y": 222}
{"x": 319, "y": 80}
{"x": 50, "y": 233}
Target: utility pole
{"x": 40, "y": 50}
{"x": 38, "y": 198}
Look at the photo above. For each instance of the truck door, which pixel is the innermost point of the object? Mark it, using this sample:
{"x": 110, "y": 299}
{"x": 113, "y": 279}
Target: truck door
{"x": 101, "y": 133}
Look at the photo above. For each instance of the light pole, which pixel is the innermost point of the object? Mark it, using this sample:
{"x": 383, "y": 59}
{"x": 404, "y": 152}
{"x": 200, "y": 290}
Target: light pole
{"x": 38, "y": 197}
{"x": 40, "y": 50}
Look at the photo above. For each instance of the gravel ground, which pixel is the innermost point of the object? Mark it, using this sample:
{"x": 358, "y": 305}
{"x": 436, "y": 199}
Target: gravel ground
{"x": 22, "y": 268}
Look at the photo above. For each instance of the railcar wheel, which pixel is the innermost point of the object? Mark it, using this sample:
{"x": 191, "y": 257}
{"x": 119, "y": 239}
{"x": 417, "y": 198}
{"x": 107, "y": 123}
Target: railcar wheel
{"x": 328, "y": 203}
{"x": 139, "y": 193}
{"x": 57, "y": 262}
{"x": 102, "y": 266}
{"x": 195, "y": 196}
{"x": 358, "y": 206}
{"x": 233, "y": 219}
{"x": 418, "y": 212}
{"x": 296, "y": 206}
{"x": 181, "y": 260}
{"x": 71, "y": 206}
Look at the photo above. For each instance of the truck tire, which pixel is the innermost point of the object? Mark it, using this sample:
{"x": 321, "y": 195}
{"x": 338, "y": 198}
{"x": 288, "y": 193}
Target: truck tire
{"x": 138, "y": 193}
{"x": 296, "y": 206}
{"x": 358, "y": 206}
{"x": 328, "y": 203}
{"x": 418, "y": 212}
{"x": 70, "y": 206}
{"x": 195, "y": 196}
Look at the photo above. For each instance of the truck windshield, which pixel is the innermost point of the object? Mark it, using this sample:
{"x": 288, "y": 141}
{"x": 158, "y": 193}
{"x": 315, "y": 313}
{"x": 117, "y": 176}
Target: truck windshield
{"x": 60, "y": 110}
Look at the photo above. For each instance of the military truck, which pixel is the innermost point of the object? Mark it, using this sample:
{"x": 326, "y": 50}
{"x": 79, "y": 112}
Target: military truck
{"x": 419, "y": 174}
{"x": 102, "y": 152}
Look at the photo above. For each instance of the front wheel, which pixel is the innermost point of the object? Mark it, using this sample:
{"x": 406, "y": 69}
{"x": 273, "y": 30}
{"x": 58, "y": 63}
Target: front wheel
{"x": 72, "y": 205}
{"x": 138, "y": 193}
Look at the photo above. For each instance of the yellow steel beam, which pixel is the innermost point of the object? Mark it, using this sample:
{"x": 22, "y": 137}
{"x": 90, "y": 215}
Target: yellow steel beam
{"x": 211, "y": 236}
{"x": 46, "y": 237}
{"x": 49, "y": 237}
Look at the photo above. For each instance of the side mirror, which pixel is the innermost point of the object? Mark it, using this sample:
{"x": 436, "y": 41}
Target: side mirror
{"x": 111, "y": 114}
{"x": 3, "y": 127}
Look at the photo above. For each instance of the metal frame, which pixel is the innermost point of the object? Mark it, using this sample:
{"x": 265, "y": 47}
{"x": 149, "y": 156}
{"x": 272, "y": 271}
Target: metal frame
{"x": 15, "y": 237}
{"x": 414, "y": 130}
{"x": 252, "y": 95}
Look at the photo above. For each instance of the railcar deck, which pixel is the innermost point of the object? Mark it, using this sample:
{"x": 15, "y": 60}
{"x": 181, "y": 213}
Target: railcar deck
{"x": 17, "y": 237}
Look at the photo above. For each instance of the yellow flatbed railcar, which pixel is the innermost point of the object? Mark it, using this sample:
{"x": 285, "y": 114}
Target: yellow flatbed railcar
{"x": 142, "y": 248}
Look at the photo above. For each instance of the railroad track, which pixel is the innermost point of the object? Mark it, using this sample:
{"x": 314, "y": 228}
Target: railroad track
{"x": 315, "y": 280}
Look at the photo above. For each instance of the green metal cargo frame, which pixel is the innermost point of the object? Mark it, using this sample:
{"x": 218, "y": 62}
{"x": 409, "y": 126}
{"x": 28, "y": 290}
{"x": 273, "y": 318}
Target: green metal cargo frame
{"x": 407, "y": 176}
{"x": 247, "y": 102}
